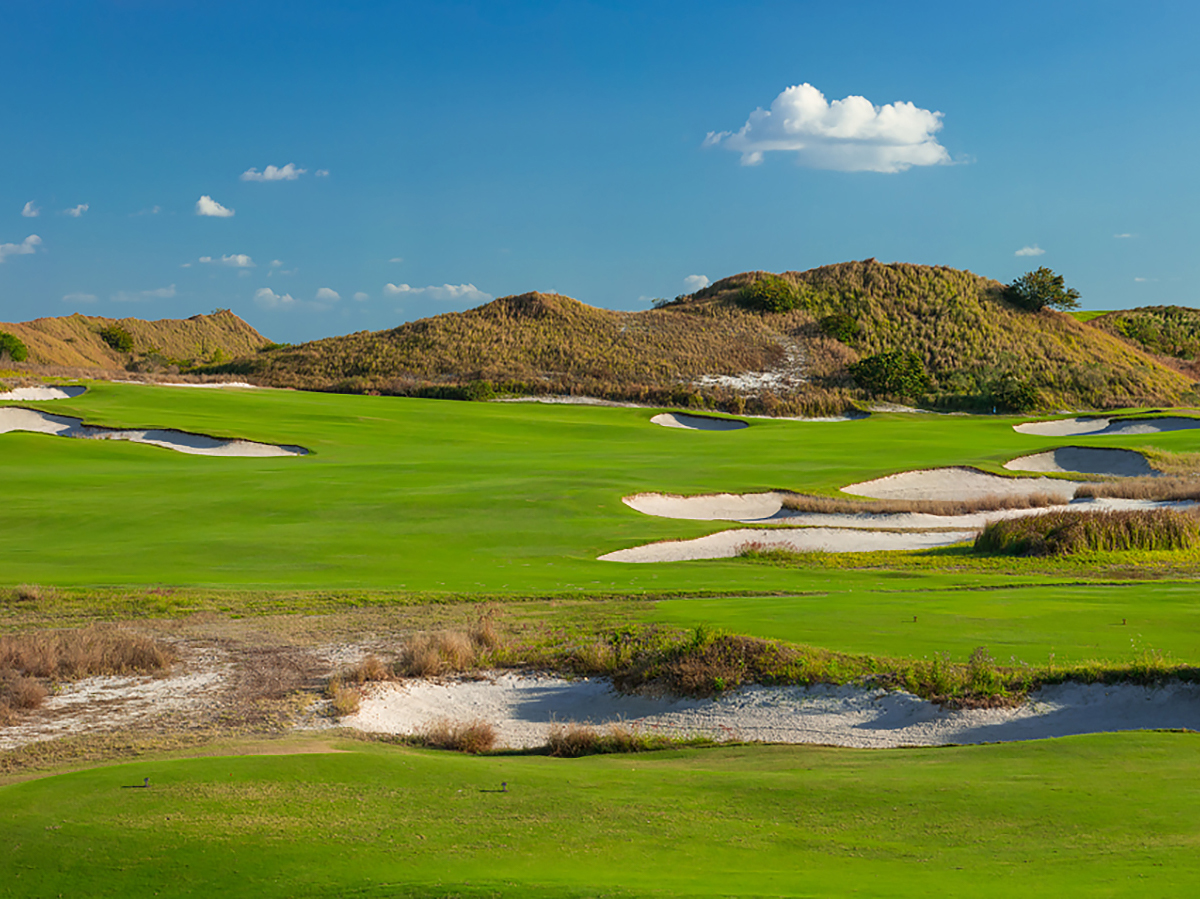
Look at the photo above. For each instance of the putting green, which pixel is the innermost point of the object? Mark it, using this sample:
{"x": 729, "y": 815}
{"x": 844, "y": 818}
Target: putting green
{"x": 1103, "y": 815}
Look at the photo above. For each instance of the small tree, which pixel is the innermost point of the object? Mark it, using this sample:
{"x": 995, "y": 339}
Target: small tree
{"x": 13, "y": 347}
{"x": 895, "y": 372}
{"x": 1040, "y": 290}
{"x": 117, "y": 338}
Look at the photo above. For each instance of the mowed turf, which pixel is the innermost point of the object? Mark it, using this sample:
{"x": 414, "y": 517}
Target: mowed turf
{"x": 1104, "y": 815}
{"x": 429, "y": 495}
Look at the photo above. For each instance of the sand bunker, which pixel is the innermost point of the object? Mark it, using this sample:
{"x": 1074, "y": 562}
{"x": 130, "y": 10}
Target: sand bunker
{"x": 697, "y": 422}
{"x": 1106, "y": 427}
{"x": 524, "y": 708}
{"x": 958, "y": 484}
{"x": 727, "y": 544}
{"x": 1086, "y": 460}
{"x": 710, "y": 507}
{"x": 14, "y": 418}
{"x": 43, "y": 393}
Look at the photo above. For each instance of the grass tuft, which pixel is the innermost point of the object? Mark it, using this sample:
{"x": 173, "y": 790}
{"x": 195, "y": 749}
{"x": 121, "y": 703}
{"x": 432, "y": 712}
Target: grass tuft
{"x": 1072, "y": 533}
{"x": 460, "y": 736}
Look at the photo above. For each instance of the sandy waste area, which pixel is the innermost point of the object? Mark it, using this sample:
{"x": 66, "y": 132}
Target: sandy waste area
{"x": 525, "y": 707}
{"x": 14, "y": 418}
{"x": 1120, "y": 463}
{"x": 697, "y": 422}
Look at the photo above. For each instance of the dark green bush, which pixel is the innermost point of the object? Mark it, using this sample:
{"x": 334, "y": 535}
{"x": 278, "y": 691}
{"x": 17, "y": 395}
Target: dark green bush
{"x": 12, "y": 346}
{"x": 895, "y": 372}
{"x": 1014, "y": 394}
{"x": 1042, "y": 289}
{"x": 840, "y": 326}
{"x": 769, "y": 293}
{"x": 1067, "y": 533}
{"x": 117, "y": 338}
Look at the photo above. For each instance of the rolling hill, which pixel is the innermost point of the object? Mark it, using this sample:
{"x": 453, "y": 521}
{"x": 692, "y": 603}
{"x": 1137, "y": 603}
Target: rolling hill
{"x": 722, "y": 348}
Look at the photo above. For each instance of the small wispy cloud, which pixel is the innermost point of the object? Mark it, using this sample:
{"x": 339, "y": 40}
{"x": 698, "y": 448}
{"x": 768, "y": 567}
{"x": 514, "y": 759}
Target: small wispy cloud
{"x": 76, "y": 211}
{"x": 30, "y": 211}
{"x": 24, "y": 248}
{"x": 322, "y": 173}
{"x": 1034, "y": 250}
{"x": 153, "y": 210}
{"x": 288, "y": 172}
{"x": 1124, "y": 236}
{"x": 396, "y": 259}
{"x": 360, "y": 296}
{"x": 848, "y": 135}
{"x": 206, "y": 205}
{"x": 695, "y": 282}
{"x": 276, "y": 263}
{"x": 444, "y": 292}
{"x": 327, "y": 295}
{"x": 158, "y": 293}
{"x": 234, "y": 260}
{"x": 79, "y": 298}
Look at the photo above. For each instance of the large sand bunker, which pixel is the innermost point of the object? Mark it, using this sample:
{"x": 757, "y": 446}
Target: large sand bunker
{"x": 959, "y": 484}
{"x": 14, "y": 418}
{"x": 1105, "y": 427}
{"x": 30, "y": 394}
{"x": 697, "y": 422}
{"x": 727, "y": 544}
{"x": 1086, "y": 460}
{"x": 524, "y": 708}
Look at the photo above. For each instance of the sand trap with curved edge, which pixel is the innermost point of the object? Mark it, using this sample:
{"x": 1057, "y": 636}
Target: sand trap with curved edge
{"x": 697, "y": 422}
{"x": 523, "y": 708}
{"x": 727, "y": 544}
{"x": 14, "y": 418}
{"x": 31, "y": 394}
{"x": 959, "y": 483}
{"x": 1086, "y": 460}
{"x": 1106, "y": 427}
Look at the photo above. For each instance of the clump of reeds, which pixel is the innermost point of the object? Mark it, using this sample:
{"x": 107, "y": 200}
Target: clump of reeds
{"x": 1067, "y": 533}
{"x": 991, "y": 503}
{"x": 1146, "y": 488}
{"x": 461, "y": 736}
{"x": 576, "y": 740}
{"x": 451, "y": 651}
{"x": 18, "y": 693}
{"x": 97, "y": 649}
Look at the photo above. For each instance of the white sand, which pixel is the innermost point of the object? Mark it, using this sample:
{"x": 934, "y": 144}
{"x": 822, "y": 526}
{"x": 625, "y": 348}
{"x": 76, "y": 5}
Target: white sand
{"x": 13, "y": 418}
{"x": 523, "y": 708}
{"x": 211, "y": 385}
{"x": 697, "y": 422}
{"x": 958, "y": 484}
{"x": 1101, "y": 427}
{"x": 1086, "y": 460}
{"x": 709, "y": 507}
{"x": 43, "y": 393}
{"x": 727, "y": 544}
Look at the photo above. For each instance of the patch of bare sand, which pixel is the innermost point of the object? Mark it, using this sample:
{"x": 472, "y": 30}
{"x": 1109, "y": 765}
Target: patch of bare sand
{"x": 697, "y": 422}
{"x": 1087, "y": 460}
{"x": 1103, "y": 427}
{"x": 525, "y": 707}
{"x": 958, "y": 483}
{"x": 727, "y": 544}
{"x": 14, "y": 418}
{"x": 39, "y": 394}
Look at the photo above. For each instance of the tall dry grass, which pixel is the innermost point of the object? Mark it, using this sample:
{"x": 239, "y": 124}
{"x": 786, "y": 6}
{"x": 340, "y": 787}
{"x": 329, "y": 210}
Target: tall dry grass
{"x": 461, "y": 736}
{"x": 1069, "y": 533}
{"x": 990, "y": 503}
{"x": 96, "y": 649}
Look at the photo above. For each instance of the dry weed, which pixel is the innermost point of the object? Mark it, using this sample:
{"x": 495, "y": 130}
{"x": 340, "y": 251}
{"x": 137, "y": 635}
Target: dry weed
{"x": 428, "y": 655}
{"x": 343, "y": 699}
{"x": 97, "y": 649}
{"x": 992, "y": 503}
{"x": 461, "y": 736}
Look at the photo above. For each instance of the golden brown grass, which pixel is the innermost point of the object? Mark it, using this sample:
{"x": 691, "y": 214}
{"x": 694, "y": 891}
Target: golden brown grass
{"x": 991, "y": 503}
{"x": 1155, "y": 489}
{"x": 461, "y": 736}
{"x": 344, "y": 699}
{"x": 96, "y": 649}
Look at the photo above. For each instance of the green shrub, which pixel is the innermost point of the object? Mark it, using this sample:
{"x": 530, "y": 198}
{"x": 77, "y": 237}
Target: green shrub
{"x": 840, "y": 326}
{"x": 117, "y": 338}
{"x": 895, "y": 372}
{"x": 1042, "y": 289}
{"x": 12, "y": 346}
{"x": 769, "y": 293}
{"x": 1068, "y": 533}
{"x": 1014, "y": 394}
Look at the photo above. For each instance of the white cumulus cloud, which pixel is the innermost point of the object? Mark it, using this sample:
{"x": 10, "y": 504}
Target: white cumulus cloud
{"x": 322, "y": 173}
{"x": 444, "y": 292}
{"x": 327, "y": 295}
{"x": 130, "y": 296}
{"x": 206, "y": 205}
{"x": 234, "y": 260}
{"x": 850, "y": 135}
{"x": 79, "y": 298}
{"x": 1034, "y": 250}
{"x": 360, "y": 296}
{"x": 269, "y": 299}
{"x": 288, "y": 172}
{"x": 30, "y": 211}
{"x": 76, "y": 211}
{"x": 24, "y": 248}
{"x": 695, "y": 282}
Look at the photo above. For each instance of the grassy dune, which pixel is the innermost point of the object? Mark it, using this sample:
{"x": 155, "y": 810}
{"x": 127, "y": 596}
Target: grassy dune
{"x": 75, "y": 342}
{"x": 1102, "y": 815}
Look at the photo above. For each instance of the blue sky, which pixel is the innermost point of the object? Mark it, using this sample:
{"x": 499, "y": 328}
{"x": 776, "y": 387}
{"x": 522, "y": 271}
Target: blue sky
{"x": 609, "y": 151}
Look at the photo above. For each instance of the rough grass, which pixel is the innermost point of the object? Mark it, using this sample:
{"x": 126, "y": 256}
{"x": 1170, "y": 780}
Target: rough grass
{"x": 992, "y": 503}
{"x": 1167, "y": 489}
{"x": 574, "y": 740}
{"x": 1072, "y": 533}
{"x": 472, "y": 737}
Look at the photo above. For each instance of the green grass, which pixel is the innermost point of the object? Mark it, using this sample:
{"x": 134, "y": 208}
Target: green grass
{"x": 1103, "y": 815}
{"x": 411, "y": 494}
{"x": 1086, "y": 316}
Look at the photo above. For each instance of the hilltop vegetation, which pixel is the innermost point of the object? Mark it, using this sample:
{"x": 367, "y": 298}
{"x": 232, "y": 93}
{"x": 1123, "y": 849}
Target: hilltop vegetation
{"x": 795, "y": 342}
{"x": 86, "y": 341}
{"x": 1169, "y": 331}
